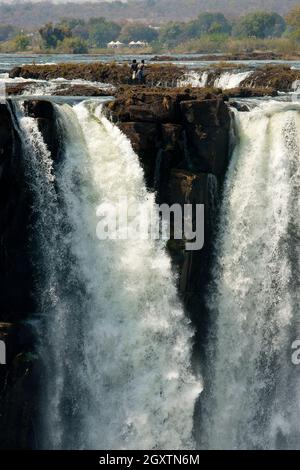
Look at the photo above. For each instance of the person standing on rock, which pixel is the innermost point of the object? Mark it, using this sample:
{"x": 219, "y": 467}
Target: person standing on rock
{"x": 134, "y": 70}
{"x": 141, "y": 73}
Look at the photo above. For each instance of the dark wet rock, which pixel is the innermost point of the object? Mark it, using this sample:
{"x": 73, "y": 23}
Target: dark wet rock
{"x": 39, "y": 109}
{"x": 44, "y": 112}
{"x": 19, "y": 388}
{"x": 186, "y": 187}
{"x": 188, "y": 128}
{"x": 208, "y": 112}
{"x": 113, "y": 73}
{"x": 145, "y": 140}
{"x": 15, "y": 72}
{"x": 276, "y": 77}
{"x": 82, "y": 90}
{"x": 239, "y": 106}
{"x": 49, "y": 130}
{"x": 18, "y": 88}
{"x": 147, "y": 105}
{"x": 247, "y": 92}
{"x": 207, "y": 134}
{"x": 15, "y": 203}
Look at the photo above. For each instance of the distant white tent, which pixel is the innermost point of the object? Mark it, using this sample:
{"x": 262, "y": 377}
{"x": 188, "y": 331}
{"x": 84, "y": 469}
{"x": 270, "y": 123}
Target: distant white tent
{"x": 137, "y": 44}
{"x": 141, "y": 43}
{"x": 114, "y": 44}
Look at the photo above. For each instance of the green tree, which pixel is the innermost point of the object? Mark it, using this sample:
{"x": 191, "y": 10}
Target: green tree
{"x": 102, "y": 31}
{"x": 71, "y": 23}
{"x": 138, "y": 32}
{"x": 21, "y": 42}
{"x": 72, "y": 46}
{"x": 81, "y": 31}
{"x": 293, "y": 22}
{"x": 260, "y": 24}
{"x": 172, "y": 33}
{"x": 208, "y": 23}
{"x": 52, "y": 34}
{"x": 77, "y": 27}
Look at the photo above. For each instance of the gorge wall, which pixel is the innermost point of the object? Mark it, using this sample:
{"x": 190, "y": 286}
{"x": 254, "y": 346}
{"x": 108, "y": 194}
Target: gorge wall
{"x": 20, "y": 379}
{"x": 182, "y": 139}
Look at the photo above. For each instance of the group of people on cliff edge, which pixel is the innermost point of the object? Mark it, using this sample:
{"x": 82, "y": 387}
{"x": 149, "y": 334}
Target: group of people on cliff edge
{"x": 138, "y": 72}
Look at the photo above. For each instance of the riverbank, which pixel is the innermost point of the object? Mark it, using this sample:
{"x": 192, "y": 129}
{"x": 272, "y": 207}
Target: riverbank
{"x": 168, "y": 56}
{"x": 234, "y": 56}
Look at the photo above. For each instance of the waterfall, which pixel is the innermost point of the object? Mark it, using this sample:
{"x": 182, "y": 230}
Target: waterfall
{"x": 194, "y": 79}
{"x": 115, "y": 342}
{"x": 255, "y": 298}
{"x": 224, "y": 80}
{"x": 53, "y": 278}
{"x": 228, "y": 80}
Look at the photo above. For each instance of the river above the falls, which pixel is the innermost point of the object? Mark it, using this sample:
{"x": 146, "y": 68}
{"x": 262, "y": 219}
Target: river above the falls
{"x": 8, "y": 61}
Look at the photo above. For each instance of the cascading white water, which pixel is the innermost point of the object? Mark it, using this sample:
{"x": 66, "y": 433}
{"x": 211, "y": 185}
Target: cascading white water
{"x": 116, "y": 342}
{"x": 228, "y": 80}
{"x": 52, "y": 287}
{"x": 194, "y": 79}
{"x": 296, "y": 86}
{"x": 225, "y": 80}
{"x": 255, "y": 295}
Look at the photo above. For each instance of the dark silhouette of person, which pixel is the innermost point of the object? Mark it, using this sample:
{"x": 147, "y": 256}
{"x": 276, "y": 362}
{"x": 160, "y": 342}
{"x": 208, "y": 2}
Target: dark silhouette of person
{"x": 134, "y": 70}
{"x": 141, "y": 72}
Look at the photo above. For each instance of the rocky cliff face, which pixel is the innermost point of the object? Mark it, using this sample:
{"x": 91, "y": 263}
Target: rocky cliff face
{"x": 15, "y": 272}
{"x": 16, "y": 279}
{"x": 174, "y": 128}
{"x": 182, "y": 139}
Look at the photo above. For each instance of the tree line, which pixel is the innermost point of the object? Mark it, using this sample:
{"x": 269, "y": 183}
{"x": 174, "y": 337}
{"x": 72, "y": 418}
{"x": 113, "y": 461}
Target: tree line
{"x": 80, "y": 36}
